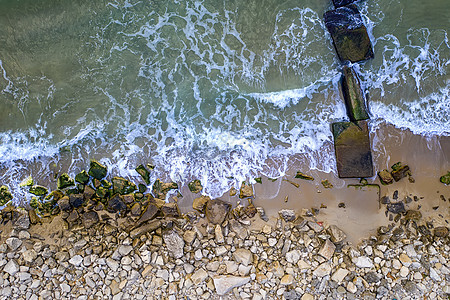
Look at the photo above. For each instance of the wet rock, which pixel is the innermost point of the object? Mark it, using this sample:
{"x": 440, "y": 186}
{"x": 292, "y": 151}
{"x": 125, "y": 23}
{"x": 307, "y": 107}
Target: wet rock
{"x": 122, "y": 186}
{"x": 64, "y": 204}
{"x": 143, "y": 229}
{"x": 350, "y": 38}
{"x": 262, "y": 214}
{"x": 288, "y": 215}
{"x": 445, "y": 179}
{"x": 195, "y": 186}
{"x": 326, "y": 184}
{"x": 413, "y": 215}
{"x": 199, "y": 203}
{"x": 89, "y": 219}
{"x": 352, "y": 145}
{"x": 5, "y": 195}
{"x": 327, "y": 249}
{"x": 303, "y": 176}
{"x": 400, "y": 173}
{"x": 97, "y": 170}
{"x": 116, "y": 204}
{"x": 38, "y": 190}
{"x": 385, "y": 177}
{"x": 225, "y": 283}
{"x": 88, "y": 192}
{"x": 145, "y": 174}
{"x": 174, "y": 243}
{"x": 64, "y": 181}
{"x": 72, "y": 217}
{"x": 396, "y": 208}
{"x": 160, "y": 189}
{"x": 136, "y": 209}
{"x": 34, "y": 218}
{"x": 354, "y": 98}
{"x": 170, "y": 210}
{"x": 250, "y": 210}
{"x": 246, "y": 191}
{"x": 76, "y": 200}
{"x": 337, "y": 235}
{"x": 82, "y": 177}
{"x": 217, "y": 210}
{"x": 441, "y": 231}
{"x": 148, "y": 214}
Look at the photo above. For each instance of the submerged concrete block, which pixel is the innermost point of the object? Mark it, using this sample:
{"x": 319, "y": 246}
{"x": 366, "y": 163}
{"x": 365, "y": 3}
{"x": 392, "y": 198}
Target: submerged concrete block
{"x": 352, "y": 146}
{"x": 353, "y": 96}
{"x": 349, "y": 34}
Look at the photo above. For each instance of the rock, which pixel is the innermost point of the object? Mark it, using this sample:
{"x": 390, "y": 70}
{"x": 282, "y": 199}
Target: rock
{"x": 189, "y": 236}
{"x": 174, "y": 243}
{"x": 326, "y": 184}
{"x": 315, "y": 226}
{"x": 363, "y": 262}
{"x": 160, "y": 189}
{"x": 396, "y": 208}
{"x": 225, "y": 283}
{"x": 29, "y": 255}
{"x": 82, "y": 177}
{"x": 445, "y": 179}
{"x": 12, "y": 267}
{"x": 116, "y": 204}
{"x": 323, "y": 269}
{"x": 288, "y": 215}
{"x": 404, "y": 271}
{"x": 195, "y": 186}
{"x": 97, "y": 170}
{"x": 351, "y": 287}
{"x": 76, "y": 200}
{"x": 441, "y": 231}
{"x": 287, "y": 280}
{"x": 89, "y": 219}
{"x": 217, "y": 210}
{"x": 250, "y": 210}
{"x": 64, "y": 204}
{"x": 76, "y": 260}
{"x": 143, "y": 229}
{"x": 22, "y": 221}
{"x": 307, "y": 296}
{"x": 352, "y": 145}
{"x": 199, "y": 276}
{"x": 304, "y": 176}
{"x": 243, "y": 256}
{"x": 293, "y": 256}
{"x": 434, "y": 275}
{"x": 64, "y": 181}
{"x": 26, "y": 182}
{"x": 350, "y": 38}
{"x": 38, "y": 190}
{"x": 239, "y": 229}
{"x": 354, "y": 96}
{"x": 372, "y": 277}
{"x": 262, "y": 214}
{"x": 246, "y": 191}
{"x": 148, "y": 214}
{"x": 385, "y": 177}
{"x": 337, "y": 235}
{"x": 199, "y": 203}
{"x": 34, "y": 218}
{"x": 400, "y": 173}
{"x": 145, "y": 174}
{"x": 339, "y": 275}
{"x": 136, "y": 209}
{"x": 170, "y": 210}
{"x": 219, "y": 234}
{"x": 13, "y": 243}
{"x": 122, "y": 186}
{"x": 5, "y": 195}
{"x": 413, "y": 215}
{"x": 327, "y": 249}
{"x": 112, "y": 264}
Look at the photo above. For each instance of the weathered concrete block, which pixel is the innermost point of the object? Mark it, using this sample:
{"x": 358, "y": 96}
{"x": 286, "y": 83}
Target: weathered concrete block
{"x": 353, "y": 95}
{"x": 352, "y": 146}
{"x": 349, "y": 34}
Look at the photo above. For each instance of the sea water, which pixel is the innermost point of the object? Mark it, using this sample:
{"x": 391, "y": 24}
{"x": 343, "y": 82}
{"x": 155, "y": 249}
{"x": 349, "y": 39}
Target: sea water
{"x": 221, "y": 91}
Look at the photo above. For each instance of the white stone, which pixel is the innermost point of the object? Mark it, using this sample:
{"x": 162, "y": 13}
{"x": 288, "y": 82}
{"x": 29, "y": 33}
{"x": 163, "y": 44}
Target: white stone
{"x": 351, "y": 287}
{"x": 226, "y": 283}
{"x": 404, "y": 271}
{"x": 243, "y": 256}
{"x": 198, "y": 254}
{"x": 221, "y": 250}
{"x": 232, "y": 266}
{"x": 76, "y": 260}
{"x": 327, "y": 249}
{"x": 199, "y": 276}
{"x": 322, "y": 270}
{"x": 307, "y": 296}
{"x": 339, "y": 275}
{"x": 174, "y": 243}
{"x": 396, "y": 264}
{"x": 112, "y": 264}
{"x": 125, "y": 249}
{"x": 434, "y": 275}
{"x": 244, "y": 270}
{"x": 65, "y": 287}
{"x": 11, "y": 267}
{"x": 272, "y": 242}
{"x": 287, "y": 280}
{"x": 363, "y": 262}
{"x": 13, "y": 243}
{"x": 293, "y": 256}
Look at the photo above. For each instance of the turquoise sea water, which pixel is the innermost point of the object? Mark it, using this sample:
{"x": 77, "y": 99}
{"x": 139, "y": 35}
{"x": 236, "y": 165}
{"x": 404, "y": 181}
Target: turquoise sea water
{"x": 222, "y": 91}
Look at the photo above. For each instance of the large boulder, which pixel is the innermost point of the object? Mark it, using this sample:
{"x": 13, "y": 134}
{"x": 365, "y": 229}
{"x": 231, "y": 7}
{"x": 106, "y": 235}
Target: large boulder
{"x": 350, "y": 38}
{"x": 122, "y": 186}
{"x": 97, "y": 170}
{"x": 217, "y": 210}
{"x": 353, "y": 95}
{"x": 116, "y": 204}
{"x": 65, "y": 181}
{"x": 352, "y": 145}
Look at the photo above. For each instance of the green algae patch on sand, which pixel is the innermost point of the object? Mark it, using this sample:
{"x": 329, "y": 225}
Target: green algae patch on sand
{"x": 352, "y": 146}
{"x": 97, "y": 170}
{"x": 303, "y": 176}
{"x": 445, "y": 179}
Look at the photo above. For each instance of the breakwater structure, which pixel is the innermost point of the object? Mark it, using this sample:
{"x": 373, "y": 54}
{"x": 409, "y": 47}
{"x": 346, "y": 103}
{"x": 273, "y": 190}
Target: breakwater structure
{"x": 352, "y": 44}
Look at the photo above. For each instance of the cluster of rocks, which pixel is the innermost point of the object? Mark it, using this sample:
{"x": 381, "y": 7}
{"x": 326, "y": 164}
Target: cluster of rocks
{"x": 218, "y": 251}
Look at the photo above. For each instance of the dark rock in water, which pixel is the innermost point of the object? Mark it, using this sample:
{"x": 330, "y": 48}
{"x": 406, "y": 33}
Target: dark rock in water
{"x": 339, "y": 3}
{"x": 149, "y": 213}
{"x": 170, "y": 210}
{"x": 65, "y": 181}
{"x": 160, "y": 189}
{"x": 424, "y": 230}
{"x": 354, "y": 98}
{"x": 382, "y": 230}
{"x": 385, "y": 200}
{"x": 445, "y": 179}
{"x": 350, "y": 38}
{"x": 149, "y": 227}
{"x": 441, "y": 231}
{"x": 5, "y": 195}
{"x": 76, "y": 200}
{"x": 395, "y": 195}
{"x": 195, "y": 186}
{"x": 73, "y": 217}
{"x": 400, "y": 173}
{"x": 288, "y": 215}
{"x": 97, "y": 170}
{"x": 90, "y": 218}
{"x": 303, "y": 176}
{"x": 82, "y": 177}
{"x": 396, "y": 208}
{"x": 101, "y": 192}
{"x": 326, "y": 184}
{"x": 38, "y": 190}
{"x": 145, "y": 174}
{"x": 116, "y": 204}
{"x": 217, "y": 210}
{"x": 352, "y": 145}
{"x": 122, "y": 186}
{"x": 199, "y": 203}
{"x": 64, "y": 204}
{"x": 142, "y": 188}
{"x": 385, "y": 177}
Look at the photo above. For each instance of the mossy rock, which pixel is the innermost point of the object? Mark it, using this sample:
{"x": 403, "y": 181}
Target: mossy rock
{"x": 35, "y": 203}
{"x": 354, "y": 98}
{"x": 38, "y": 190}
{"x": 97, "y": 170}
{"x": 106, "y": 184}
{"x": 26, "y": 182}
{"x": 82, "y": 177}
{"x": 326, "y": 184}
{"x": 303, "y": 176}
{"x": 65, "y": 181}
{"x": 145, "y": 174}
{"x": 195, "y": 186}
{"x": 142, "y": 188}
{"x": 5, "y": 195}
{"x": 385, "y": 177}
{"x": 258, "y": 180}
{"x": 445, "y": 179}
{"x": 101, "y": 192}
{"x": 160, "y": 189}
{"x": 122, "y": 186}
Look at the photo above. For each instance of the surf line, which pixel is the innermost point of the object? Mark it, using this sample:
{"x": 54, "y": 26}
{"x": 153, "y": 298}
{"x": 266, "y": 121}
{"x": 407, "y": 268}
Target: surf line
{"x": 352, "y": 44}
